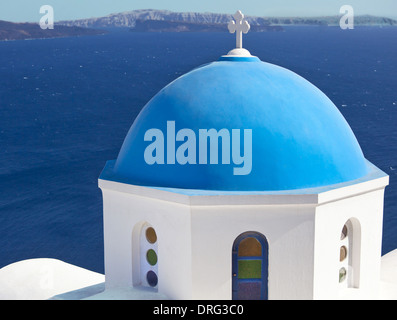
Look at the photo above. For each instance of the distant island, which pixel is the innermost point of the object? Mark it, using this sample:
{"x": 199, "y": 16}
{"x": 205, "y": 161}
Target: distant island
{"x": 167, "y": 21}
{"x": 149, "y": 20}
{"x": 23, "y": 31}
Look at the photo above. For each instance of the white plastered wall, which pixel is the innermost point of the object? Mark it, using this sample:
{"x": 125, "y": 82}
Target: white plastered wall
{"x": 289, "y": 231}
{"x": 195, "y": 244}
{"x": 367, "y": 210}
{"x": 124, "y": 215}
{"x": 196, "y": 234}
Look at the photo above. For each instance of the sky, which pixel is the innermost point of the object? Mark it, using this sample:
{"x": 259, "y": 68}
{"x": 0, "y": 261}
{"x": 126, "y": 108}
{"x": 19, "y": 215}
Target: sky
{"x": 28, "y": 10}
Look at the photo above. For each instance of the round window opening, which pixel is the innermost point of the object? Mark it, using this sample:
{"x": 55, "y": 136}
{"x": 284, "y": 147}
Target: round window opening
{"x": 343, "y": 253}
{"x": 344, "y": 233}
{"x": 151, "y": 278}
{"x": 342, "y": 275}
{"x": 151, "y": 235}
{"x": 151, "y": 257}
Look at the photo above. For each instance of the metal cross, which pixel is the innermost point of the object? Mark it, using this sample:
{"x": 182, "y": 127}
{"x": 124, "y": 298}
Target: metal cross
{"x": 240, "y": 26}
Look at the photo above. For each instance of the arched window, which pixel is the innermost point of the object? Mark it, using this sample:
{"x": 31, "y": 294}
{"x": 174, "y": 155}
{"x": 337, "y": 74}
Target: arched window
{"x": 250, "y": 267}
{"x": 148, "y": 256}
{"x": 349, "y": 254}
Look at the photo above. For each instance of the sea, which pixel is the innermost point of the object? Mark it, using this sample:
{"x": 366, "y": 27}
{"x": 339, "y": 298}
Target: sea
{"x": 66, "y": 105}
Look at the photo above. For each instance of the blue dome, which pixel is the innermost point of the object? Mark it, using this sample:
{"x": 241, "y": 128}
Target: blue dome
{"x": 299, "y": 139}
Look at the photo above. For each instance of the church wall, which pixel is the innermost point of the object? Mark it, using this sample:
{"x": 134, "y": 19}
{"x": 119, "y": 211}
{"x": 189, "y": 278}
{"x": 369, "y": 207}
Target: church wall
{"x": 196, "y": 235}
{"x": 124, "y": 215}
{"x": 366, "y": 212}
{"x": 289, "y": 231}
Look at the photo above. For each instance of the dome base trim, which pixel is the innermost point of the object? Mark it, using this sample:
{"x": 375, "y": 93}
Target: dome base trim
{"x": 375, "y": 179}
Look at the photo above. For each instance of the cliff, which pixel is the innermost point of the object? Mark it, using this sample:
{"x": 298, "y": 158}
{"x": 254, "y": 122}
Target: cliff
{"x": 21, "y": 31}
{"x": 135, "y": 18}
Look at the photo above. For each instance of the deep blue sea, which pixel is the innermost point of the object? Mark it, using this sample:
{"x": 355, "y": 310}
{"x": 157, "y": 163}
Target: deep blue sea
{"x": 66, "y": 106}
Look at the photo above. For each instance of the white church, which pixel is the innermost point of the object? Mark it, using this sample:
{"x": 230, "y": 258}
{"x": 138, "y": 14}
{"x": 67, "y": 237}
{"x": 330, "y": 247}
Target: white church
{"x": 238, "y": 180}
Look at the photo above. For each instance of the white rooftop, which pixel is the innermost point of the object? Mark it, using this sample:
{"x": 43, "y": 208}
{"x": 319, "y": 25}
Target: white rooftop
{"x": 43, "y": 279}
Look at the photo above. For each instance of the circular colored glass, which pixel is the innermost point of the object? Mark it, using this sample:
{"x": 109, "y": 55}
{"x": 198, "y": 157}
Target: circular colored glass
{"x": 151, "y": 235}
{"x": 151, "y": 257}
{"x": 343, "y": 233}
{"x": 342, "y": 274}
{"x": 151, "y": 278}
{"x": 343, "y": 253}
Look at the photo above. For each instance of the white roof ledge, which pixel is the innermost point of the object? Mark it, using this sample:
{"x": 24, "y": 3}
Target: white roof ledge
{"x": 374, "y": 180}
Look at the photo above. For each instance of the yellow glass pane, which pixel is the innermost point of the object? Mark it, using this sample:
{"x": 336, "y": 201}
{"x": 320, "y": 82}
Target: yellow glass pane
{"x": 343, "y": 253}
{"x": 151, "y": 235}
{"x": 250, "y": 247}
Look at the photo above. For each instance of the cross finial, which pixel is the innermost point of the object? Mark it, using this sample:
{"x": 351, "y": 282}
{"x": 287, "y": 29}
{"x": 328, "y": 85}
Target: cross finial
{"x": 239, "y": 26}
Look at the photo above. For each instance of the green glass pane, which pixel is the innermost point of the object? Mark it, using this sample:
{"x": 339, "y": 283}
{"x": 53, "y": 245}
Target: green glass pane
{"x": 151, "y": 257}
{"x": 249, "y": 269}
{"x": 342, "y": 274}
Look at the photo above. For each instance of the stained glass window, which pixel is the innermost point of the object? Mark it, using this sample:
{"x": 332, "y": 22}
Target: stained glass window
{"x": 151, "y": 235}
{"x": 343, "y": 234}
{"x": 151, "y": 257}
{"x": 250, "y": 247}
{"x": 343, "y": 253}
{"x": 342, "y": 274}
{"x": 249, "y": 269}
{"x": 151, "y": 278}
{"x": 249, "y": 291}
